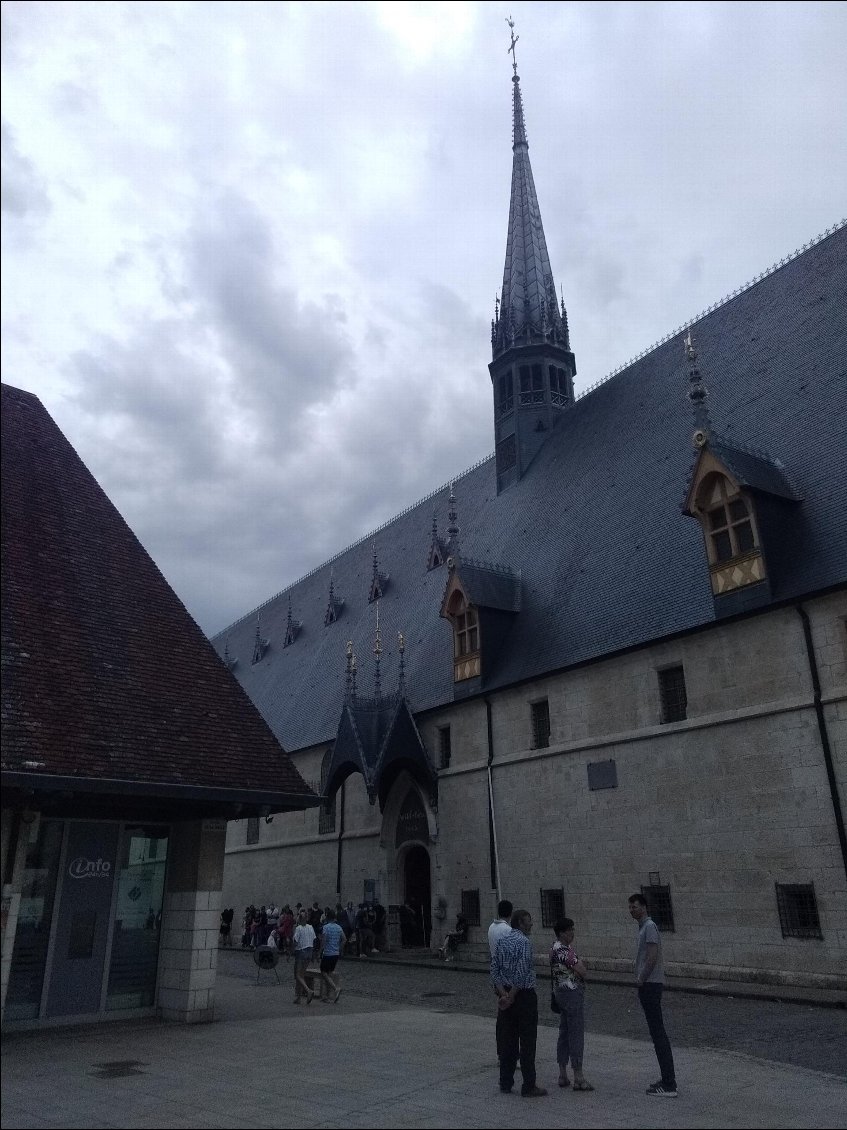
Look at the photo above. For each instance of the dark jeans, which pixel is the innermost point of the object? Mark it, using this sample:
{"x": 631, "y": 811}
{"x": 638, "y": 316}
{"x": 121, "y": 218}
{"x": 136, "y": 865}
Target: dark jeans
{"x": 518, "y": 1036}
{"x": 650, "y": 996}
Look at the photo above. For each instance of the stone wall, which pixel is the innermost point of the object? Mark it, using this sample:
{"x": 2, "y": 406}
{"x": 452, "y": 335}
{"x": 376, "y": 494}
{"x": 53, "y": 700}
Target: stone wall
{"x": 721, "y": 806}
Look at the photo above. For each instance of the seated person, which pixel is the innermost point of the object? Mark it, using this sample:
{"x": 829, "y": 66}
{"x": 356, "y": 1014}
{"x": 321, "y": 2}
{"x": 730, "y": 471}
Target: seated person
{"x": 452, "y": 940}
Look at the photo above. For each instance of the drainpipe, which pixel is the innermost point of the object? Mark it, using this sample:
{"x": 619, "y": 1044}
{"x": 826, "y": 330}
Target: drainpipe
{"x": 493, "y": 853}
{"x": 824, "y": 734}
{"x": 340, "y": 838}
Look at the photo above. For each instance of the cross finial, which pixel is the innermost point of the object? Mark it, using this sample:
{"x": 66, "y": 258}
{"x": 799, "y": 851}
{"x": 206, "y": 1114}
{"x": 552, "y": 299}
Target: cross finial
{"x": 510, "y": 50}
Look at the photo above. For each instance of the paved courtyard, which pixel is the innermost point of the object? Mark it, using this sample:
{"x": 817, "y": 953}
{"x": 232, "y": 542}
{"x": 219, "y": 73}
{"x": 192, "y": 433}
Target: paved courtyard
{"x": 372, "y": 1062}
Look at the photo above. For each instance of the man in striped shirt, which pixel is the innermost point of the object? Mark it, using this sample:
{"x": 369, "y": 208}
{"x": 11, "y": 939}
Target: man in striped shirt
{"x": 513, "y": 978}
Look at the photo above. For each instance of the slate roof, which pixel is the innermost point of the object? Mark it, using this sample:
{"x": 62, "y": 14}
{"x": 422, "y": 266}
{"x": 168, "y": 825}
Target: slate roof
{"x": 489, "y": 588}
{"x": 753, "y": 469}
{"x": 608, "y": 561}
{"x": 108, "y": 684}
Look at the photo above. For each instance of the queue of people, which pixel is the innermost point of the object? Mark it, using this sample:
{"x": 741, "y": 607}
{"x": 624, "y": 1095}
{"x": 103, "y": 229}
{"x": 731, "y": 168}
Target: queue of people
{"x": 363, "y": 926}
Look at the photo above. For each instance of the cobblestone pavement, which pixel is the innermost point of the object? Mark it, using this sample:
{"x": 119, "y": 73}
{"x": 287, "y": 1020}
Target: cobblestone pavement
{"x": 800, "y": 1035}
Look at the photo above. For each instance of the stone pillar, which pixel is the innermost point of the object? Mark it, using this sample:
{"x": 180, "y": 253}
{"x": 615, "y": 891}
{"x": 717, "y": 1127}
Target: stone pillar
{"x": 188, "y": 954}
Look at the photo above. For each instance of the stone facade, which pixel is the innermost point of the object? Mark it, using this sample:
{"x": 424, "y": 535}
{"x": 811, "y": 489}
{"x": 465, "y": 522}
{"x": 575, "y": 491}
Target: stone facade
{"x": 721, "y": 806}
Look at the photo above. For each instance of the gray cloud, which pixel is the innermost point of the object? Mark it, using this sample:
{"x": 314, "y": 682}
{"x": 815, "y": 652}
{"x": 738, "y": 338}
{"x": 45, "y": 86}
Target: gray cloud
{"x": 24, "y": 193}
{"x": 255, "y": 246}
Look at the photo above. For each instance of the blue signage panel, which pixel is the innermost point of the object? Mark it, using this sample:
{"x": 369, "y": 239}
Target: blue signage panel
{"x": 79, "y": 951}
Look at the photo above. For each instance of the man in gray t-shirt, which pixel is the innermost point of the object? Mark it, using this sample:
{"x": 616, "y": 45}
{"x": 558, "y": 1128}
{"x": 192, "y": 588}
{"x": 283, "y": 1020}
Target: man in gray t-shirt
{"x": 650, "y": 978}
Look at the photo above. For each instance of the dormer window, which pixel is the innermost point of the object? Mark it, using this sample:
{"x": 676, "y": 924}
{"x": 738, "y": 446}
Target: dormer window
{"x": 730, "y": 524}
{"x": 467, "y": 632}
{"x": 465, "y": 620}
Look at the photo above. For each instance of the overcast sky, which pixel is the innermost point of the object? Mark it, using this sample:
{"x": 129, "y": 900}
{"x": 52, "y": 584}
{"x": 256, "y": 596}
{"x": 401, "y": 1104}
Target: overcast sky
{"x": 251, "y": 250}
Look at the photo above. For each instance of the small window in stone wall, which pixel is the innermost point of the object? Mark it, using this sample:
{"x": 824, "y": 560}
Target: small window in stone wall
{"x": 470, "y": 906}
{"x": 552, "y": 905}
{"x": 252, "y": 829}
{"x": 798, "y": 910}
{"x": 445, "y": 747}
{"x": 540, "y": 714}
{"x": 659, "y": 906}
{"x": 673, "y": 694}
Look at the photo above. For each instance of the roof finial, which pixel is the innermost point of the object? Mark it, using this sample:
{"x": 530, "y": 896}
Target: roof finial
{"x": 349, "y": 671}
{"x": 510, "y": 50}
{"x": 453, "y": 528}
{"x": 377, "y": 656}
{"x": 401, "y": 682}
{"x": 697, "y": 393}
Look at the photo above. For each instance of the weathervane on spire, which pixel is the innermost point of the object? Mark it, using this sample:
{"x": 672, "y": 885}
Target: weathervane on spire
{"x": 510, "y": 50}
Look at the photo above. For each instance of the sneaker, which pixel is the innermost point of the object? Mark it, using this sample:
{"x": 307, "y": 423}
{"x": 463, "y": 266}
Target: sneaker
{"x": 505, "y": 1090}
{"x": 662, "y": 1091}
{"x": 533, "y": 1093}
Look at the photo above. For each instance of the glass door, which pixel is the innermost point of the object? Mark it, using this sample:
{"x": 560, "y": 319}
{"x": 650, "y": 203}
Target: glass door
{"x": 142, "y": 861}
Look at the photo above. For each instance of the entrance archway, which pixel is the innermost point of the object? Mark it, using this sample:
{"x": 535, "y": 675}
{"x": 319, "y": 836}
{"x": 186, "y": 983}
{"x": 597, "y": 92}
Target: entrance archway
{"x": 415, "y": 916}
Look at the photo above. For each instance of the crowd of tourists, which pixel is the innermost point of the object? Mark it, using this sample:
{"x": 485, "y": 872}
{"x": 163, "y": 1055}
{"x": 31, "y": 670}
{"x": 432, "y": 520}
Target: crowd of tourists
{"x": 271, "y": 925}
{"x": 309, "y": 935}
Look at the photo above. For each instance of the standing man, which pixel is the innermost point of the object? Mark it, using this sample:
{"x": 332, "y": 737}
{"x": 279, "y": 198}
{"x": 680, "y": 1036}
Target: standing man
{"x": 513, "y": 978}
{"x": 333, "y": 939}
{"x": 650, "y": 977}
{"x": 498, "y": 928}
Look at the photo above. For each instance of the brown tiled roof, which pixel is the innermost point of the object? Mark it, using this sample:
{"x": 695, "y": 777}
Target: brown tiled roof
{"x": 106, "y": 677}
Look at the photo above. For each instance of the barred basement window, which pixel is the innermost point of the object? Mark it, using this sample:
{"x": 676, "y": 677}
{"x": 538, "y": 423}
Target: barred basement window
{"x": 798, "y": 910}
{"x": 252, "y": 829}
{"x": 540, "y": 713}
{"x": 470, "y": 906}
{"x": 552, "y": 905}
{"x": 445, "y": 747}
{"x": 660, "y": 907}
{"x": 673, "y": 695}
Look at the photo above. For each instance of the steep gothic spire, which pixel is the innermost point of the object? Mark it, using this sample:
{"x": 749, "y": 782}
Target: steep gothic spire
{"x": 532, "y": 367}
{"x": 529, "y": 312}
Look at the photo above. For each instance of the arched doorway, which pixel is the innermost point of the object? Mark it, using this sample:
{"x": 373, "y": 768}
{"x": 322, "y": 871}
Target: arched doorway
{"x": 416, "y": 913}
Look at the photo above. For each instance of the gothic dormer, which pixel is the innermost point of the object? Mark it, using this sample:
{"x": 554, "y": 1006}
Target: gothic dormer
{"x": 480, "y": 602}
{"x": 260, "y": 644}
{"x": 292, "y": 627}
{"x": 532, "y": 367}
{"x": 333, "y": 606}
{"x": 437, "y": 550}
{"x": 746, "y": 508}
{"x": 379, "y": 581}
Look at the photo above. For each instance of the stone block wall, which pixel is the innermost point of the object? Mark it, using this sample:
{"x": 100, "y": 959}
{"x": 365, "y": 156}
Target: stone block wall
{"x": 188, "y": 948}
{"x": 722, "y": 805}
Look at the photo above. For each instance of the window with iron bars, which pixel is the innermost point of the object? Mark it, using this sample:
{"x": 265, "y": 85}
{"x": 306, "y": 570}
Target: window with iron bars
{"x": 540, "y": 714}
{"x": 673, "y": 694}
{"x": 252, "y": 829}
{"x": 552, "y": 905}
{"x": 445, "y": 747}
{"x": 660, "y": 907}
{"x": 798, "y": 910}
{"x": 470, "y": 906}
